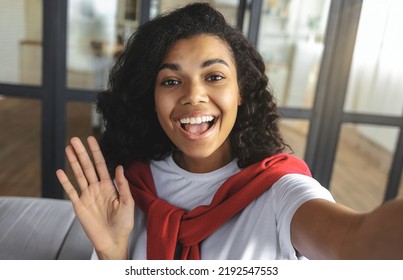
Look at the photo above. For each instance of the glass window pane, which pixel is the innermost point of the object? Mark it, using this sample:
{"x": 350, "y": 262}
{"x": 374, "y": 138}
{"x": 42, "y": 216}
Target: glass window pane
{"x": 295, "y": 134}
{"x": 21, "y": 42}
{"x": 228, "y": 8}
{"x": 82, "y": 121}
{"x": 400, "y": 192}
{"x": 375, "y": 82}
{"x": 164, "y": 6}
{"x": 291, "y": 41}
{"x": 362, "y": 165}
{"x": 97, "y": 30}
{"x": 20, "y": 152}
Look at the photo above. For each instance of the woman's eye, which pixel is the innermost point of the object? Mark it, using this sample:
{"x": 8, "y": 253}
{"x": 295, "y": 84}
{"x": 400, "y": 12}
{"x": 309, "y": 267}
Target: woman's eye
{"x": 170, "y": 83}
{"x": 214, "y": 78}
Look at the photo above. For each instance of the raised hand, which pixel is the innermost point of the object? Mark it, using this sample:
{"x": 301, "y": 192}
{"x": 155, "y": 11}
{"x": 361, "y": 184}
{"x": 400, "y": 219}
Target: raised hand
{"x": 105, "y": 212}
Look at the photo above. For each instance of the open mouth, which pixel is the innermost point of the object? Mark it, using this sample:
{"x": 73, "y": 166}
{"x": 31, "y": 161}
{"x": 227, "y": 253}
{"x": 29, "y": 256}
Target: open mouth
{"x": 197, "y": 125}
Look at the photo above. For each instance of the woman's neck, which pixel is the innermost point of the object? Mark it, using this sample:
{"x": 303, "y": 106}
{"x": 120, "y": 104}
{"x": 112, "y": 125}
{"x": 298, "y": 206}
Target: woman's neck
{"x": 201, "y": 165}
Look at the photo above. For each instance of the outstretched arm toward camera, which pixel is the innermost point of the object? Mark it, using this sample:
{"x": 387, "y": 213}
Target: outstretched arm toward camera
{"x": 105, "y": 213}
{"x": 324, "y": 230}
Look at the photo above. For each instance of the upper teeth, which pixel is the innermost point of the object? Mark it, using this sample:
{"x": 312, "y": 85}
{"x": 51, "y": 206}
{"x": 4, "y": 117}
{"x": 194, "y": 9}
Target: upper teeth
{"x": 196, "y": 120}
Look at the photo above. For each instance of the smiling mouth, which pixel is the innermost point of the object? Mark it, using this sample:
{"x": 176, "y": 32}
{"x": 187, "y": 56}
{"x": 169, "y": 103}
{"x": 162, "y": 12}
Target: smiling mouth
{"x": 197, "y": 125}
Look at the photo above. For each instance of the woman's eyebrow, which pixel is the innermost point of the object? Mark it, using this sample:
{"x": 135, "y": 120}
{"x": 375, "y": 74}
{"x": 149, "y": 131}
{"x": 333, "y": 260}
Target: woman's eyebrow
{"x": 207, "y": 63}
{"x": 170, "y": 66}
{"x": 212, "y": 61}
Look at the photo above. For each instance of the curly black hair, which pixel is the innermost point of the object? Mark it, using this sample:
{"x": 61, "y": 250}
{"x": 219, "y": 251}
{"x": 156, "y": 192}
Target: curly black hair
{"x": 132, "y": 130}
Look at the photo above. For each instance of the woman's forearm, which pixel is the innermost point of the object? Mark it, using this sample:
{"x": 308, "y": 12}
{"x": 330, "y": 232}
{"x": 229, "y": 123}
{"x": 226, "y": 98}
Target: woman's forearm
{"x": 379, "y": 235}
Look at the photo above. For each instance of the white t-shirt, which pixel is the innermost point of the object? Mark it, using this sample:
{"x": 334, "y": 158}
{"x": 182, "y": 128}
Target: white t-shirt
{"x": 260, "y": 231}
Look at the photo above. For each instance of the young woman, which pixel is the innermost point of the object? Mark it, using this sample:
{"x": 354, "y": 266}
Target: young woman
{"x": 192, "y": 141}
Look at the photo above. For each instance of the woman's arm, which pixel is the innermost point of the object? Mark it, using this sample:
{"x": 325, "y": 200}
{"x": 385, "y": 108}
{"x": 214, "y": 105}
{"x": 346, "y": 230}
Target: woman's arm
{"x": 325, "y": 230}
{"x": 105, "y": 213}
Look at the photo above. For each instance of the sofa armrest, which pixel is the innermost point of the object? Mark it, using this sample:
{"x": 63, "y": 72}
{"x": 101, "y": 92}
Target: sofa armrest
{"x": 40, "y": 229}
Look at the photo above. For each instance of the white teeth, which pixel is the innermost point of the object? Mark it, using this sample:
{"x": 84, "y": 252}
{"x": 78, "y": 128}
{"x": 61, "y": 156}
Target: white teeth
{"x": 197, "y": 120}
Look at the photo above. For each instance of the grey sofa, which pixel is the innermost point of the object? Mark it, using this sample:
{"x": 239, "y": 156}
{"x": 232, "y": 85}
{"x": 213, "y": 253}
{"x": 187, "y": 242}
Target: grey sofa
{"x": 41, "y": 229}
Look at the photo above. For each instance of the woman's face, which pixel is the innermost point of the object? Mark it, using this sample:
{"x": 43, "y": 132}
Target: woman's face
{"x": 196, "y": 100}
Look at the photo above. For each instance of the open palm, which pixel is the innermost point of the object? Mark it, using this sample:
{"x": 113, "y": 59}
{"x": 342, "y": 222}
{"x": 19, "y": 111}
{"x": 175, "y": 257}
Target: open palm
{"x": 105, "y": 212}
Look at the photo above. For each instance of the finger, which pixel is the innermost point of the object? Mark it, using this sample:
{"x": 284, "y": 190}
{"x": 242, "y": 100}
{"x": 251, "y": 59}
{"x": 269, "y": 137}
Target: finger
{"x": 67, "y": 186}
{"x": 76, "y": 167}
{"x": 99, "y": 159}
{"x": 85, "y": 161}
{"x": 123, "y": 185}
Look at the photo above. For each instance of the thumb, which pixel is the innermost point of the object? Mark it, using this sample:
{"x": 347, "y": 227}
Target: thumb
{"x": 122, "y": 184}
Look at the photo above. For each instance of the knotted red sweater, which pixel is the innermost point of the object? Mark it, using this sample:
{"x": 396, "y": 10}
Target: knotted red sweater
{"x": 168, "y": 225}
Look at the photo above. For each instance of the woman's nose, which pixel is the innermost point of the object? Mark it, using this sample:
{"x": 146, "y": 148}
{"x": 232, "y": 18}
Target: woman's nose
{"x": 194, "y": 93}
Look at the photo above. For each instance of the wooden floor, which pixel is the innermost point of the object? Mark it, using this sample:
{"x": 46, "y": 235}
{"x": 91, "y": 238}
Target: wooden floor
{"x": 359, "y": 177}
